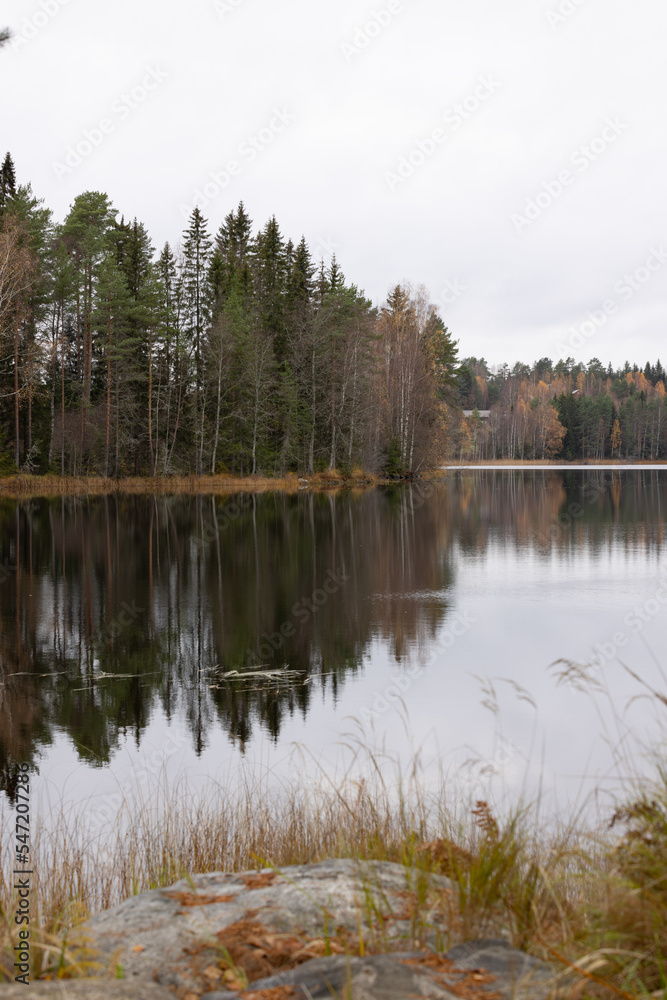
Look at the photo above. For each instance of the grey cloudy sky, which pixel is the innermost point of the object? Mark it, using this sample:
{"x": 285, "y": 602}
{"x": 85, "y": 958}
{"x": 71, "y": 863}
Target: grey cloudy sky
{"x": 508, "y": 154}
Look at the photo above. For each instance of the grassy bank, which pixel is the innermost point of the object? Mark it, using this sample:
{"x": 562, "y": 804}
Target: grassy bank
{"x": 591, "y": 900}
{"x": 223, "y": 485}
{"x": 16, "y": 487}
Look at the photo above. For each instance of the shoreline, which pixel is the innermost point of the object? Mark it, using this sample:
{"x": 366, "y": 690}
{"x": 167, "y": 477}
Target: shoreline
{"x": 508, "y": 464}
{"x": 24, "y": 486}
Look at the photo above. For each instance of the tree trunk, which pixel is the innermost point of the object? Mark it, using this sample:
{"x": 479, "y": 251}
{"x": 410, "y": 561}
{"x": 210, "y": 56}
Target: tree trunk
{"x": 108, "y": 417}
{"x": 117, "y": 416}
{"x": 17, "y": 455}
{"x": 332, "y": 454}
{"x": 217, "y": 410}
{"x": 150, "y": 398}
{"x": 178, "y": 416}
{"x": 311, "y": 447}
{"x": 62, "y": 387}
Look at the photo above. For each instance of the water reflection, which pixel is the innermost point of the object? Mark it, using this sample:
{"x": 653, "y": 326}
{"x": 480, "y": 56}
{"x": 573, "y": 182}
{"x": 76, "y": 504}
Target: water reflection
{"x": 234, "y": 612}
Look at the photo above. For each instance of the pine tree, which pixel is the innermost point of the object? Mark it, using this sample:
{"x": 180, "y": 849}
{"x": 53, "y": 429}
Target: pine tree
{"x": 113, "y": 309}
{"x": 86, "y": 234}
{"x": 63, "y": 284}
{"x": 151, "y": 314}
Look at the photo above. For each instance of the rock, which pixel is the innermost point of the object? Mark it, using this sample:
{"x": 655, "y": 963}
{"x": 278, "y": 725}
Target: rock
{"x": 483, "y": 969}
{"x": 86, "y": 989}
{"x": 516, "y": 973}
{"x": 477, "y": 970}
{"x": 298, "y": 933}
{"x": 377, "y": 977}
{"x": 192, "y": 936}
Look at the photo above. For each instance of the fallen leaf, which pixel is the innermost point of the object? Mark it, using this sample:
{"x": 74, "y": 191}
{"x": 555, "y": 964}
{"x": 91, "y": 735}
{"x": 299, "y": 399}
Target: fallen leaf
{"x": 197, "y": 899}
{"x": 259, "y": 881}
{"x": 213, "y": 973}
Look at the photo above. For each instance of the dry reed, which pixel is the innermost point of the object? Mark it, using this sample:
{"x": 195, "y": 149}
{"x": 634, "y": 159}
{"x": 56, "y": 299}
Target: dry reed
{"x": 23, "y": 486}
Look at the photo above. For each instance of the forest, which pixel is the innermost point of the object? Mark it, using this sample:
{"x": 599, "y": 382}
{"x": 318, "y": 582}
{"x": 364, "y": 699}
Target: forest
{"x": 237, "y": 352}
{"x": 565, "y": 410}
{"x": 232, "y": 352}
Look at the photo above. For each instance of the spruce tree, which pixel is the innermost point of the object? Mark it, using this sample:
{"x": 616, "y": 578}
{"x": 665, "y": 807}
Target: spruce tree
{"x": 197, "y": 248}
{"x": 7, "y": 182}
{"x": 270, "y": 273}
{"x": 173, "y": 362}
{"x": 232, "y": 258}
{"x": 336, "y": 278}
{"x": 300, "y": 285}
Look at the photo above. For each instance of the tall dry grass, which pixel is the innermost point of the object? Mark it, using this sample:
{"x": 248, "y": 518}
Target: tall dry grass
{"x": 16, "y": 487}
{"x": 592, "y": 899}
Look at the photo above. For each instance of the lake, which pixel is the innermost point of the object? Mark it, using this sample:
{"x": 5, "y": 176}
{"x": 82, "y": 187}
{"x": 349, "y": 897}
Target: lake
{"x": 271, "y": 635}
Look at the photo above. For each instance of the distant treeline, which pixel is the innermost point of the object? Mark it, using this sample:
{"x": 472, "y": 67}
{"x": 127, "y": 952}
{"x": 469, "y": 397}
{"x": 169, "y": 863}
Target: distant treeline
{"x": 564, "y": 410}
{"x": 238, "y": 353}
{"x": 233, "y": 352}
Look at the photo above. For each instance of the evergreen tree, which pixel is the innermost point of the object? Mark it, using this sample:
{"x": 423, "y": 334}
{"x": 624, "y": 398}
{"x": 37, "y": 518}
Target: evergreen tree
{"x": 543, "y": 367}
{"x": 63, "y": 285}
{"x": 172, "y": 359}
{"x": 86, "y": 234}
{"x": 270, "y": 274}
{"x": 335, "y": 277}
{"x": 113, "y": 310}
{"x": 197, "y": 248}
{"x": 7, "y": 182}
{"x": 232, "y": 256}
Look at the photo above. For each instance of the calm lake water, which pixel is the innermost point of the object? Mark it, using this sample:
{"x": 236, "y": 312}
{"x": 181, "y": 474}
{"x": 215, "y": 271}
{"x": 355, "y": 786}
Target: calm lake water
{"x": 207, "y": 637}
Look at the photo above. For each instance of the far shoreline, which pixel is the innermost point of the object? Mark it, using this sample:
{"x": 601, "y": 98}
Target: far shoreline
{"x": 23, "y": 486}
{"x": 555, "y": 464}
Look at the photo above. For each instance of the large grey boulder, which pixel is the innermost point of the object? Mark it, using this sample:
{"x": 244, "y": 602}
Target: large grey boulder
{"x": 342, "y": 928}
{"x": 183, "y": 936}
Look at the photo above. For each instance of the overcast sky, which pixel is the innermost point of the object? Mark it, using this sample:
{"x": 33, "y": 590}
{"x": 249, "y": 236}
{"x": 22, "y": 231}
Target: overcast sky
{"x": 508, "y": 154}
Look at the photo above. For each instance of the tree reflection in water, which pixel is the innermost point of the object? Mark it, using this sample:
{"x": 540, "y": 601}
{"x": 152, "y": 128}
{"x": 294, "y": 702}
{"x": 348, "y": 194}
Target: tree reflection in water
{"x": 233, "y": 612}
